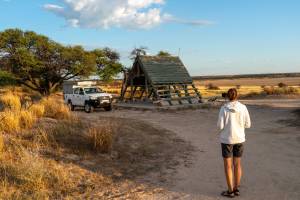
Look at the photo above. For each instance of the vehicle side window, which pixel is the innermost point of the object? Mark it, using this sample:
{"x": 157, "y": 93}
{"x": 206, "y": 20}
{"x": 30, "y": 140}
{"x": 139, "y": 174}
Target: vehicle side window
{"x": 76, "y": 91}
{"x": 81, "y": 92}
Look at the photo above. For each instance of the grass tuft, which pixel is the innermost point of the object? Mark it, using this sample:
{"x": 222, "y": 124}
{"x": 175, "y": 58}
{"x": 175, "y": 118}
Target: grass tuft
{"x": 101, "y": 138}
{"x": 10, "y": 101}
{"x": 56, "y": 109}
{"x": 38, "y": 110}
{"x": 27, "y": 119}
{"x": 10, "y": 122}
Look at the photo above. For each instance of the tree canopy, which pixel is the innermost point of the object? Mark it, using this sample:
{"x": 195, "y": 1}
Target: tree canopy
{"x": 108, "y": 65}
{"x": 43, "y": 64}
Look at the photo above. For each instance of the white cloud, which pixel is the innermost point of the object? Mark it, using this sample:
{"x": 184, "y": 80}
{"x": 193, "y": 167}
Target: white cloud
{"x": 131, "y": 14}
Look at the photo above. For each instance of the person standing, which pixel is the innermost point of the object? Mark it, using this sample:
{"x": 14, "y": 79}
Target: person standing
{"x": 233, "y": 119}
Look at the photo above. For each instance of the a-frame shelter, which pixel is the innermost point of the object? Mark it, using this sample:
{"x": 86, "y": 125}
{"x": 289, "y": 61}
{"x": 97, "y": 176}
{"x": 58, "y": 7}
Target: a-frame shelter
{"x": 163, "y": 80}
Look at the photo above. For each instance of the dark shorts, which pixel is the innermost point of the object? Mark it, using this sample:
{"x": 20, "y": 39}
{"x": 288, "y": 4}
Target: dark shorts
{"x": 235, "y": 150}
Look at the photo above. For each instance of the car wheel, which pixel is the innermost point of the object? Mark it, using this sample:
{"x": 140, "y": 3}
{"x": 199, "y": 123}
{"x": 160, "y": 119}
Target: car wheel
{"x": 88, "y": 108}
{"x": 108, "y": 108}
{"x": 71, "y": 106}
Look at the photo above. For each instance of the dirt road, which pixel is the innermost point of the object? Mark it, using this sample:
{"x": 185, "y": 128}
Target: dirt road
{"x": 271, "y": 160}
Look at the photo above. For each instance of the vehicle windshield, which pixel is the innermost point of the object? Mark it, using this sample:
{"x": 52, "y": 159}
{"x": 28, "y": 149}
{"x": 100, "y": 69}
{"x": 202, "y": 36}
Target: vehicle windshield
{"x": 92, "y": 90}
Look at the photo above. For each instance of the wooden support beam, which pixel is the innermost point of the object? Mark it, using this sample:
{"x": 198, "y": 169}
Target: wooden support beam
{"x": 197, "y": 91}
{"x": 131, "y": 88}
{"x": 187, "y": 93}
{"x": 178, "y": 93}
{"x": 146, "y": 87}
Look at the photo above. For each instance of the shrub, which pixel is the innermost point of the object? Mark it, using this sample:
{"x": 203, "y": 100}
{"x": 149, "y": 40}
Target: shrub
{"x": 55, "y": 109}
{"x": 280, "y": 91}
{"x": 27, "y": 119}
{"x": 10, "y": 122}
{"x": 10, "y": 101}
{"x": 101, "y": 138}
{"x": 282, "y": 85}
{"x": 37, "y": 109}
{"x": 211, "y": 86}
{"x": 238, "y": 87}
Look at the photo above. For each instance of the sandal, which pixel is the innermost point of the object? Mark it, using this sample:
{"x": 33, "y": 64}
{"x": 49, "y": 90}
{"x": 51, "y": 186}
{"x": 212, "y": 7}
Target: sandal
{"x": 228, "y": 194}
{"x": 236, "y": 192}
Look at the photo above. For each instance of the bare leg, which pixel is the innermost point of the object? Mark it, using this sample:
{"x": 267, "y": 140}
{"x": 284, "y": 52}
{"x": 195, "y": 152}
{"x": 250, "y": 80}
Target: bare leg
{"x": 237, "y": 171}
{"x": 228, "y": 173}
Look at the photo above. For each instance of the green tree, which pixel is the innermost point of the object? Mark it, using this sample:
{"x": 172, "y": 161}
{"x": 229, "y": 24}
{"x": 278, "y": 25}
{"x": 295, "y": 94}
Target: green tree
{"x": 40, "y": 63}
{"x": 108, "y": 65}
{"x": 163, "y": 53}
{"x": 7, "y": 78}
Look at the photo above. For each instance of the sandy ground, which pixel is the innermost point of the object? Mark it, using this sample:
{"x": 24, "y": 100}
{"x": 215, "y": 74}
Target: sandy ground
{"x": 271, "y": 159}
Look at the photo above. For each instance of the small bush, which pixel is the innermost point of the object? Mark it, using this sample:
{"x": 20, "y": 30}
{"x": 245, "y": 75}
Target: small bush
{"x": 10, "y": 101}
{"x": 101, "y": 138}
{"x": 238, "y": 87}
{"x": 56, "y": 109}
{"x": 280, "y": 90}
{"x": 27, "y": 119}
{"x": 282, "y": 85}
{"x": 211, "y": 86}
{"x": 38, "y": 110}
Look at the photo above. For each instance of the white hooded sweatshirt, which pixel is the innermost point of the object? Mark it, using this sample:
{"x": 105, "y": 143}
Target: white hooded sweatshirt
{"x": 233, "y": 119}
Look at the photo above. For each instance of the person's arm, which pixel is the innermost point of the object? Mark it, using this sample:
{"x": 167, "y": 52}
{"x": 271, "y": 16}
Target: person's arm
{"x": 247, "y": 119}
{"x": 221, "y": 120}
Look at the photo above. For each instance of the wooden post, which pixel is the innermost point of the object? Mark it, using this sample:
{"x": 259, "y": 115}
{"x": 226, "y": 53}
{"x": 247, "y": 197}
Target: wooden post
{"x": 131, "y": 88}
{"x": 187, "y": 94}
{"x": 146, "y": 88}
{"x": 178, "y": 93}
{"x": 197, "y": 92}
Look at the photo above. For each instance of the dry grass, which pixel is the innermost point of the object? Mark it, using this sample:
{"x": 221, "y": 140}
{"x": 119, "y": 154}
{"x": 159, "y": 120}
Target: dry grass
{"x": 26, "y": 175}
{"x": 281, "y": 90}
{"x": 10, "y": 101}
{"x": 56, "y": 109}
{"x": 10, "y": 122}
{"x": 27, "y": 119}
{"x": 38, "y": 110}
{"x": 101, "y": 138}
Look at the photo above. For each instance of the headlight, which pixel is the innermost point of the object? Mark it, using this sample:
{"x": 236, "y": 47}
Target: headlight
{"x": 93, "y": 98}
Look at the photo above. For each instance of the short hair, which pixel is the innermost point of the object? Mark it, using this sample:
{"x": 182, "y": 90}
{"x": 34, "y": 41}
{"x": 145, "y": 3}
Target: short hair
{"x": 232, "y": 94}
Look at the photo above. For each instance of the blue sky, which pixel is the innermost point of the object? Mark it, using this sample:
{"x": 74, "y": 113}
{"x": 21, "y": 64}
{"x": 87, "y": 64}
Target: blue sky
{"x": 214, "y": 36}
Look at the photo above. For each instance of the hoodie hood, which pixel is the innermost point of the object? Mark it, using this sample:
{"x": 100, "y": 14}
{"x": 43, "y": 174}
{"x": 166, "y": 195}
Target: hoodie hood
{"x": 233, "y": 106}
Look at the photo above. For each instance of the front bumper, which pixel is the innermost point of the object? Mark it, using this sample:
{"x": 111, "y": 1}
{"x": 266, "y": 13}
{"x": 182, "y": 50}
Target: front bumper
{"x": 100, "y": 102}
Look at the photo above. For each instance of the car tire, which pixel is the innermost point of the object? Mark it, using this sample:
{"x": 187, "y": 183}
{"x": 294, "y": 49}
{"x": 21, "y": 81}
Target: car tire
{"x": 108, "y": 108}
{"x": 88, "y": 108}
{"x": 71, "y": 106}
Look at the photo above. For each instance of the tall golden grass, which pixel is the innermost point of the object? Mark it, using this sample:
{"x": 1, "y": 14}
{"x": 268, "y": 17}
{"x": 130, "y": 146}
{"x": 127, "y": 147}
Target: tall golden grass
{"x": 25, "y": 171}
{"x": 55, "y": 109}
{"x": 38, "y": 110}
{"x": 10, "y": 122}
{"x": 15, "y": 118}
{"x": 10, "y": 101}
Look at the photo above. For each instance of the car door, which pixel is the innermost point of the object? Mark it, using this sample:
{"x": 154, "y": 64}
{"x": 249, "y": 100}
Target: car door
{"x": 75, "y": 99}
{"x": 81, "y": 97}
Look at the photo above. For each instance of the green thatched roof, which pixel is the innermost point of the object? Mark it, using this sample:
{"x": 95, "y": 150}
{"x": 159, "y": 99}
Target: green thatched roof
{"x": 164, "y": 70}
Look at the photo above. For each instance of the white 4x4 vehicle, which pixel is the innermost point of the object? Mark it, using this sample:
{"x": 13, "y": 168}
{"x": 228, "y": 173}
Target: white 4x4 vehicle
{"x": 89, "y": 97}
